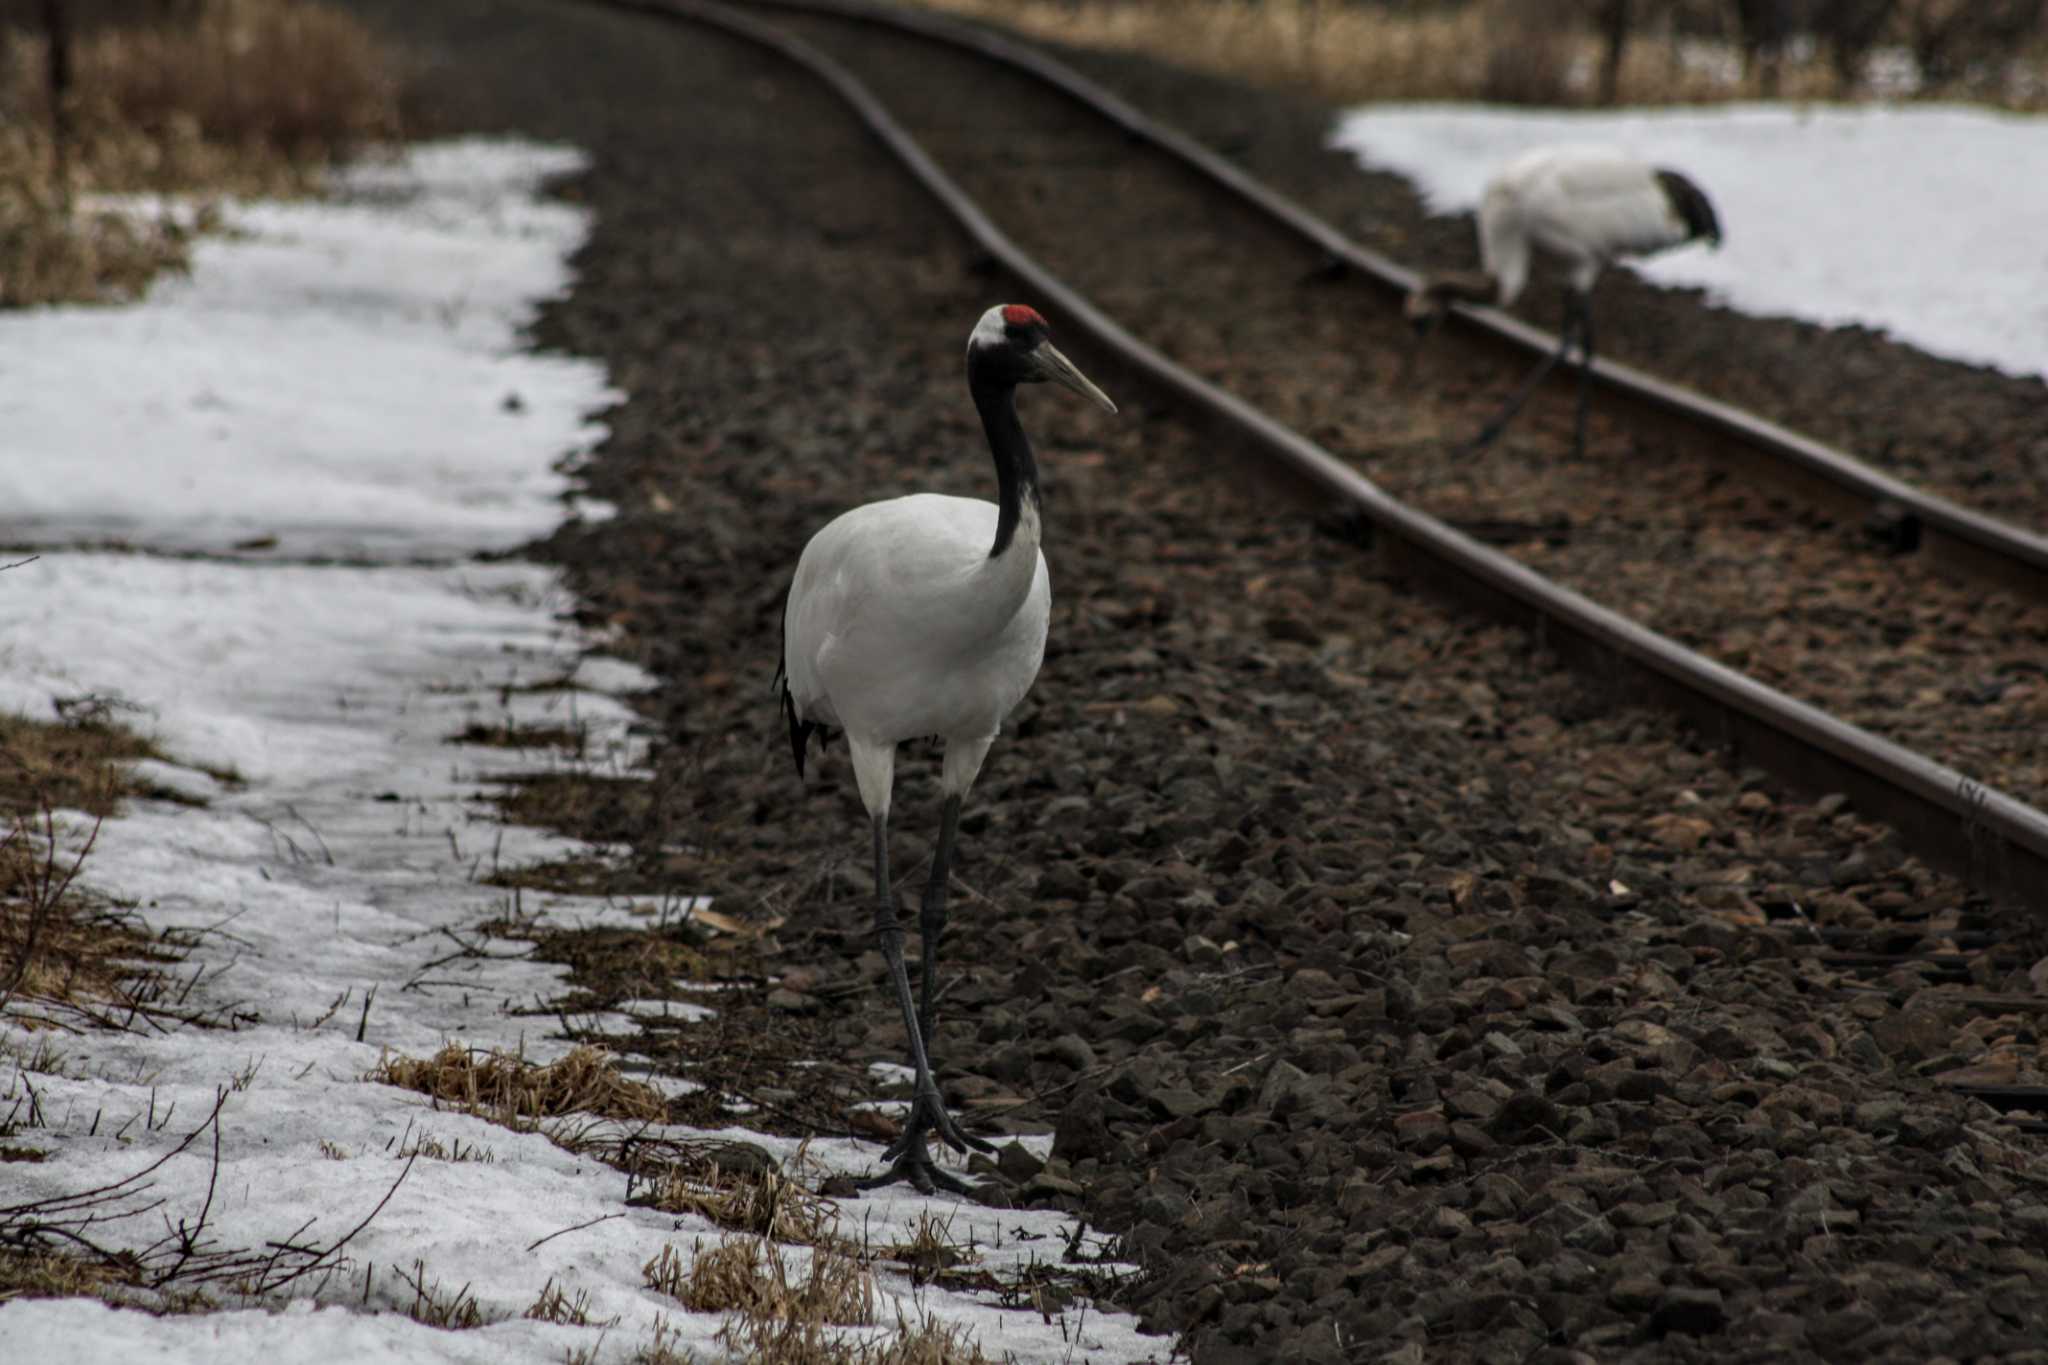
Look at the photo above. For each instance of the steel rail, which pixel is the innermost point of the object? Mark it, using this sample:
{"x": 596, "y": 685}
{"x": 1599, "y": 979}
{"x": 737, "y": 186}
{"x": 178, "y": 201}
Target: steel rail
{"x": 1955, "y": 536}
{"x": 1996, "y": 842}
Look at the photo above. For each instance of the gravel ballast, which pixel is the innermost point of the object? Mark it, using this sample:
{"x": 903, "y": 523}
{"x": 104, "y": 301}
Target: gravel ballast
{"x": 1392, "y": 993}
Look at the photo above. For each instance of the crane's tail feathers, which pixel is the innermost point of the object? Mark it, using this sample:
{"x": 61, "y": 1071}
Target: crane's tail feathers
{"x": 800, "y": 730}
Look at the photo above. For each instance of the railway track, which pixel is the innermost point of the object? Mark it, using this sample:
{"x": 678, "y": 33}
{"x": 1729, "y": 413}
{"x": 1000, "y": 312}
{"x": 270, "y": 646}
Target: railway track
{"x": 1299, "y": 902}
{"x": 1998, "y": 842}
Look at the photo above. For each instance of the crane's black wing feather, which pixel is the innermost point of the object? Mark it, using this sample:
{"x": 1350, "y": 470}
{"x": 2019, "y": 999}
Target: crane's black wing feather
{"x": 800, "y": 730}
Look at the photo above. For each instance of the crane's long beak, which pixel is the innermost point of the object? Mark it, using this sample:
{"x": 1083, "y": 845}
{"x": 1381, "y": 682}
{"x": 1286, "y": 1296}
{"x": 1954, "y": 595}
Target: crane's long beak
{"x": 1060, "y": 370}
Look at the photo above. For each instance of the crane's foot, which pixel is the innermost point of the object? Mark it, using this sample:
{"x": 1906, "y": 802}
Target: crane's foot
{"x": 917, "y": 1167}
{"x": 910, "y": 1159}
{"x": 928, "y": 1115}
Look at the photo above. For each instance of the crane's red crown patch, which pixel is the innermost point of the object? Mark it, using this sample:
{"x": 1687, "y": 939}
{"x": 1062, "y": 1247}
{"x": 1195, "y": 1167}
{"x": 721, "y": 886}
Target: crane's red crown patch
{"x": 1018, "y": 315}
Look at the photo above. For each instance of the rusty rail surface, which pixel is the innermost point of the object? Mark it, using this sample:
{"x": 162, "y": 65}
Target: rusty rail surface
{"x": 1994, "y": 841}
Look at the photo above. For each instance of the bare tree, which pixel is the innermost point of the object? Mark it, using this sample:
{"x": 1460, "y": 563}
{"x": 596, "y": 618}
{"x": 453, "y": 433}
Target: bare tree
{"x": 1948, "y": 37}
{"x": 1849, "y": 29}
{"x": 1612, "y": 18}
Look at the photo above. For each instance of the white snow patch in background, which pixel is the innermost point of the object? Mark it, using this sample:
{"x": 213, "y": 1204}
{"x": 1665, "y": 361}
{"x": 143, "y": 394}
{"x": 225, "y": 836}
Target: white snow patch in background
{"x": 345, "y": 377}
{"x": 1918, "y": 220}
{"x": 335, "y": 379}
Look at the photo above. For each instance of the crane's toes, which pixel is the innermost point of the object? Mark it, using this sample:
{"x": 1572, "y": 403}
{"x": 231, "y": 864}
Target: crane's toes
{"x": 916, "y": 1167}
{"x": 958, "y": 1138}
{"x": 928, "y": 1115}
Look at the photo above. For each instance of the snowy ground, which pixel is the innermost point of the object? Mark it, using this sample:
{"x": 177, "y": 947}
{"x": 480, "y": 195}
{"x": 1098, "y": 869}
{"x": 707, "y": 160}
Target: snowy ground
{"x": 254, "y": 497}
{"x": 1915, "y": 219}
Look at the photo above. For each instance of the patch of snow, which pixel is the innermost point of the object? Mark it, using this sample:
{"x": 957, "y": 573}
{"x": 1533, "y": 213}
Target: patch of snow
{"x": 342, "y": 378}
{"x": 332, "y": 378}
{"x": 679, "y": 1010}
{"x": 1909, "y": 219}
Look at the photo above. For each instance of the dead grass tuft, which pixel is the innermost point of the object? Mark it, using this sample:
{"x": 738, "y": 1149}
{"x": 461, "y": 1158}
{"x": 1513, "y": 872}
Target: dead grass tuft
{"x": 433, "y": 1306}
{"x": 564, "y": 1310}
{"x": 73, "y": 765}
{"x": 569, "y": 738}
{"x": 431, "y": 1148}
{"x": 518, "y": 1094}
{"x": 749, "y": 1276}
{"x": 764, "y": 1203}
{"x": 57, "y": 946}
{"x": 593, "y": 807}
{"x": 766, "y": 1341}
{"x": 234, "y": 96}
{"x": 55, "y": 1275}
{"x": 930, "y": 1250}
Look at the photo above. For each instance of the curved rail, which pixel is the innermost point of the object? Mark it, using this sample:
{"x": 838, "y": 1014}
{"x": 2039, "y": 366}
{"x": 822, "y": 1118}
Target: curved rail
{"x": 1996, "y": 842}
{"x": 1958, "y": 537}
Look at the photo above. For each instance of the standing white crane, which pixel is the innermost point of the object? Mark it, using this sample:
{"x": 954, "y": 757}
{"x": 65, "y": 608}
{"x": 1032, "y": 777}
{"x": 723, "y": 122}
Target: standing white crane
{"x": 926, "y": 615}
{"x": 1588, "y": 206}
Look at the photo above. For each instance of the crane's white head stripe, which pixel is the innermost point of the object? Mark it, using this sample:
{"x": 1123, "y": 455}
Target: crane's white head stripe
{"x": 994, "y": 327}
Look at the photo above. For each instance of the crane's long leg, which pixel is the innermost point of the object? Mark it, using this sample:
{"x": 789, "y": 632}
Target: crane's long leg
{"x": 931, "y": 920}
{"x": 1583, "y": 306}
{"x": 907, "y": 1156}
{"x": 1536, "y": 376}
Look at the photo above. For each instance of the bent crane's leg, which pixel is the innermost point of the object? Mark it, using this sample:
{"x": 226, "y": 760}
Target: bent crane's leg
{"x": 1536, "y": 376}
{"x": 1582, "y": 304}
{"x": 874, "y": 768}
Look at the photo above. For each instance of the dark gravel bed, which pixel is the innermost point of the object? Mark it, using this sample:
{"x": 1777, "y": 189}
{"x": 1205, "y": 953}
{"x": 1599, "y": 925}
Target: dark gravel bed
{"x": 1808, "y": 605}
{"x": 1391, "y": 993}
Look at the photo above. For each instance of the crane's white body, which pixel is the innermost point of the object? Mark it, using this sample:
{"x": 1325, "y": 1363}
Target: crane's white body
{"x": 926, "y": 615}
{"x": 900, "y": 624}
{"x": 1588, "y": 206}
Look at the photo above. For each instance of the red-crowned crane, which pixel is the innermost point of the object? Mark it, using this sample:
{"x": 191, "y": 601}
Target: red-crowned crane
{"x": 926, "y": 615}
{"x": 1587, "y": 206}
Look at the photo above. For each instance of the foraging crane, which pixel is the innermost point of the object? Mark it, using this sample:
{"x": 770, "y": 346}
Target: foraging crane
{"x": 926, "y": 615}
{"x": 1588, "y": 206}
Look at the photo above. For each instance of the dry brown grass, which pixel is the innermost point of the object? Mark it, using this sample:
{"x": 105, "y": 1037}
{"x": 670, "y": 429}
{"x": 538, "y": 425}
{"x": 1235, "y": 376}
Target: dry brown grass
{"x": 925, "y": 1341}
{"x": 735, "y": 1185}
{"x": 563, "y": 1309}
{"x": 58, "y": 946}
{"x": 747, "y": 1275}
{"x": 434, "y": 1305}
{"x": 1509, "y": 51}
{"x": 572, "y": 739}
{"x": 52, "y": 1275}
{"x": 75, "y": 766}
{"x": 230, "y": 96}
{"x": 518, "y": 1094}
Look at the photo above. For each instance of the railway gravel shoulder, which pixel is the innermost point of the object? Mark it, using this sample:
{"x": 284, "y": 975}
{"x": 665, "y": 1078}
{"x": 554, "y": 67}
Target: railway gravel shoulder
{"x": 1805, "y": 603}
{"x": 1387, "y": 988}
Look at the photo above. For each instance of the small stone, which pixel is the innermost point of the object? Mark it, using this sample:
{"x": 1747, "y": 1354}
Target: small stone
{"x": 1695, "y": 1312}
{"x": 792, "y": 1002}
{"x": 1045, "y": 1184}
{"x": 1071, "y": 1050}
{"x": 1423, "y": 1129}
{"x": 1017, "y": 1165}
{"x": 1470, "y": 1140}
{"x": 1634, "y": 1293}
{"x": 1500, "y": 1045}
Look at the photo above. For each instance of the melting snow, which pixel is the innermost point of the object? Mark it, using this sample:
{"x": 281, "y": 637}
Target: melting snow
{"x": 1917, "y": 220}
{"x": 333, "y": 380}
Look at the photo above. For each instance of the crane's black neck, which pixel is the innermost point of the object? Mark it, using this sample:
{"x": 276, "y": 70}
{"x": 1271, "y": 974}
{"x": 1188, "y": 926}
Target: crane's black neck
{"x": 1016, "y": 472}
